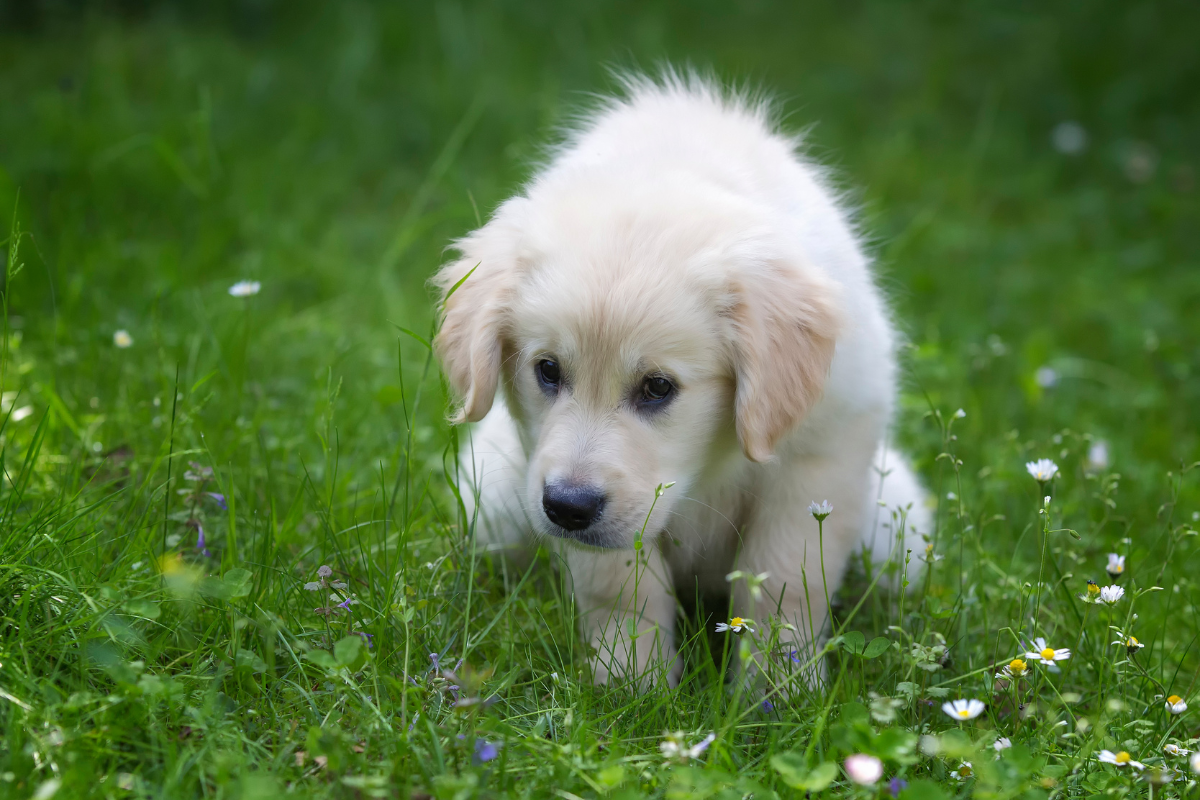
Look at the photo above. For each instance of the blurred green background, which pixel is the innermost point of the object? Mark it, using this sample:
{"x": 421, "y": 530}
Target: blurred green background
{"x": 332, "y": 150}
{"x": 1027, "y": 175}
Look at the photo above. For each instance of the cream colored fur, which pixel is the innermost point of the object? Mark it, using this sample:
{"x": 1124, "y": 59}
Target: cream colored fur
{"x": 678, "y": 232}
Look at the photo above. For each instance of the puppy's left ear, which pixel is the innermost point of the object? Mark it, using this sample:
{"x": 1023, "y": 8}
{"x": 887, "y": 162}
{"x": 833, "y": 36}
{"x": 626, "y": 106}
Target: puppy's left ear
{"x": 786, "y": 320}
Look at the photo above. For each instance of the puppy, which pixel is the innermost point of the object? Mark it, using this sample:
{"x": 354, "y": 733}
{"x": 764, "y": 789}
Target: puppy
{"x": 677, "y": 300}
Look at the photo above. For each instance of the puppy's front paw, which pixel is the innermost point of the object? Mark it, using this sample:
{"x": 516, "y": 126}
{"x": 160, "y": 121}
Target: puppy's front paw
{"x": 649, "y": 662}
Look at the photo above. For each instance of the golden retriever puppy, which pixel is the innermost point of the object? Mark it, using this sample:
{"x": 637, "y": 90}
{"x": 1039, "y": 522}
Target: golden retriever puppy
{"x": 677, "y": 300}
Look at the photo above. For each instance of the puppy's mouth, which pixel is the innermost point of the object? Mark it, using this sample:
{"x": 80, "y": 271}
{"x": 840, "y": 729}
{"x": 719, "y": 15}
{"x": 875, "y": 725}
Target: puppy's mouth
{"x": 595, "y": 536}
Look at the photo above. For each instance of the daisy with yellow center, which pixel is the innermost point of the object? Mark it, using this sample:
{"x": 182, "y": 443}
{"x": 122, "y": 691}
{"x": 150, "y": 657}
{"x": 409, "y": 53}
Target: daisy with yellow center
{"x": 1046, "y": 654}
{"x": 1175, "y": 750}
{"x": 737, "y": 625}
{"x": 964, "y": 772}
{"x": 963, "y": 710}
{"x": 1093, "y": 593}
{"x": 1116, "y": 564}
{"x": 1176, "y": 704}
{"x": 1121, "y": 759}
{"x": 1013, "y": 669}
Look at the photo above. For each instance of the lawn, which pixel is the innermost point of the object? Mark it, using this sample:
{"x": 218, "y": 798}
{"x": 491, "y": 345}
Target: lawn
{"x": 1027, "y": 175}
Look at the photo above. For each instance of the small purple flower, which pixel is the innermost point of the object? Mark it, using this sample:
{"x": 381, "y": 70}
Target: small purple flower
{"x": 433, "y": 657}
{"x": 200, "y": 545}
{"x": 485, "y": 751}
{"x": 768, "y": 706}
{"x": 220, "y": 498}
{"x": 794, "y": 656}
{"x": 369, "y": 638}
{"x": 896, "y": 786}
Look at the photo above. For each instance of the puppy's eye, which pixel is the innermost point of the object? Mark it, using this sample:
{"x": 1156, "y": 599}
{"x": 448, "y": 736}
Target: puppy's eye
{"x": 656, "y": 389}
{"x": 548, "y": 373}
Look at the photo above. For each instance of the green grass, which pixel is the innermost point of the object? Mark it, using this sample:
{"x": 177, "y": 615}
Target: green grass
{"x": 151, "y": 156}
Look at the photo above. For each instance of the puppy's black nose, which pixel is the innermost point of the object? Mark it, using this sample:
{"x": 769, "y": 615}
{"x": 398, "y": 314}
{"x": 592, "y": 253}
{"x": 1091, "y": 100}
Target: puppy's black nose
{"x": 572, "y": 506}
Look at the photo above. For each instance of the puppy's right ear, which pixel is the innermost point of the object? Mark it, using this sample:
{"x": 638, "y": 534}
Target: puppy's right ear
{"x": 476, "y": 295}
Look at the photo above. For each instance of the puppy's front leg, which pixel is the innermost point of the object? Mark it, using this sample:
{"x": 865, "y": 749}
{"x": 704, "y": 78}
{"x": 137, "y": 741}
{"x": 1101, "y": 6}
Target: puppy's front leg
{"x": 805, "y": 563}
{"x": 626, "y": 612}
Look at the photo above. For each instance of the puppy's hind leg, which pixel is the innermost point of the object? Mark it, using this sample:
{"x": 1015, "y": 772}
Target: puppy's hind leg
{"x": 897, "y": 515}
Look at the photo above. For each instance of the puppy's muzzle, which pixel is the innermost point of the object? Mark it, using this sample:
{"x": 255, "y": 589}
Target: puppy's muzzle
{"x": 572, "y": 507}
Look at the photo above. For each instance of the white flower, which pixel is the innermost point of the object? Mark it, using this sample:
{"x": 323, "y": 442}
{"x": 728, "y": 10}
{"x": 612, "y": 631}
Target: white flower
{"x": 1046, "y": 654}
{"x": 1013, "y": 669}
{"x": 960, "y": 414}
{"x": 1003, "y": 743}
{"x": 737, "y": 624}
{"x": 1196, "y": 762}
{"x": 1130, "y": 643}
{"x": 820, "y": 511}
{"x": 1069, "y": 138}
{"x": 1046, "y": 377}
{"x": 964, "y": 772}
{"x": 1109, "y": 595}
{"x": 863, "y": 769}
{"x": 1175, "y": 750}
{"x": 1116, "y": 564}
{"x": 1042, "y": 470}
{"x": 1176, "y": 704}
{"x": 674, "y": 747}
{"x": 963, "y": 709}
{"x": 1121, "y": 759}
{"x": 21, "y": 413}
{"x": 1097, "y": 456}
{"x": 122, "y": 339}
{"x": 1093, "y": 593}
{"x": 245, "y": 288}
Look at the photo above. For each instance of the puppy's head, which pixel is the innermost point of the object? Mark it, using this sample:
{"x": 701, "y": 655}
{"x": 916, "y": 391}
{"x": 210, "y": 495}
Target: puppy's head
{"x": 638, "y": 340}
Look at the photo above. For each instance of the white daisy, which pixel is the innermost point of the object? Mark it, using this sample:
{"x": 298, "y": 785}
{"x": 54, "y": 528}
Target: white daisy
{"x": 1013, "y": 669}
{"x": 963, "y": 709}
{"x": 1175, "y": 750}
{"x": 1130, "y": 643}
{"x": 737, "y": 625}
{"x": 820, "y": 510}
{"x": 1003, "y": 743}
{"x": 122, "y": 339}
{"x": 1093, "y": 593}
{"x": 1042, "y": 470}
{"x": 1046, "y": 654}
{"x": 964, "y": 772}
{"x": 1176, "y": 704}
{"x": 1121, "y": 759}
{"x": 1116, "y": 564}
{"x": 1109, "y": 595}
{"x": 245, "y": 288}
{"x": 863, "y": 769}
